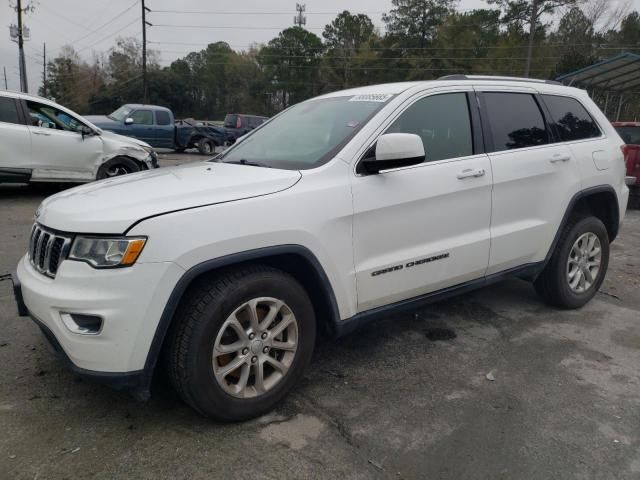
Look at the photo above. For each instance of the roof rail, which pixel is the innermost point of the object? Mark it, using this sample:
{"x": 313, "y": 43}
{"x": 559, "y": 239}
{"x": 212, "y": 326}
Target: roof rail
{"x": 488, "y": 78}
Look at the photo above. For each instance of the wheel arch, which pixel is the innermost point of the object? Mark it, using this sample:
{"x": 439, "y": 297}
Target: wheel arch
{"x": 600, "y": 201}
{"x": 295, "y": 260}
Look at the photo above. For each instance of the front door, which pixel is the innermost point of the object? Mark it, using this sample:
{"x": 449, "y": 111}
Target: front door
{"x": 58, "y": 149}
{"x": 142, "y": 127}
{"x": 423, "y": 228}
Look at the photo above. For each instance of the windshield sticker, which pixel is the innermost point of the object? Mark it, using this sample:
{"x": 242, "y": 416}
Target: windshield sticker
{"x": 371, "y": 97}
{"x": 353, "y": 124}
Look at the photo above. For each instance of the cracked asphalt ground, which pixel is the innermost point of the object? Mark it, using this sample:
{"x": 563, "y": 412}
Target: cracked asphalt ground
{"x": 407, "y": 397}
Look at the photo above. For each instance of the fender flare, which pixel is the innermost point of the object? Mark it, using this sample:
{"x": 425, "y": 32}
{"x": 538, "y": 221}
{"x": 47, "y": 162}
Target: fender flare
{"x": 228, "y": 260}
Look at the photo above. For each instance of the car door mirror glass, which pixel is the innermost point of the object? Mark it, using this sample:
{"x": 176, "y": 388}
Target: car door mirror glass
{"x": 128, "y": 121}
{"x": 393, "y": 150}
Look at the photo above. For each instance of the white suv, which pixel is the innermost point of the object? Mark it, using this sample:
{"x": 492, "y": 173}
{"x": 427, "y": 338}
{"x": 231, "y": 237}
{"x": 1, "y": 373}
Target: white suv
{"x": 338, "y": 211}
{"x": 41, "y": 141}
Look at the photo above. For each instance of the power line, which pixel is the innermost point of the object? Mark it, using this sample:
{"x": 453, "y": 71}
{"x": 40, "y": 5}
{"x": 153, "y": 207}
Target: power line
{"x": 227, "y": 27}
{"x": 113, "y": 19}
{"x": 135, "y": 20}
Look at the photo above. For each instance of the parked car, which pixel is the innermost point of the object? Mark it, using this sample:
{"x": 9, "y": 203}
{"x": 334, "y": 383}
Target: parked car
{"x": 630, "y": 134}
{"x": 238, "y": 124}
{"x": 341, "y": 210}
{"x": 157, "y": 126}
{"x": 41, "y": 141}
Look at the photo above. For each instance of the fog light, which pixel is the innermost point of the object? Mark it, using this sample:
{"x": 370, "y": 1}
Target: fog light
{"x": 82, "y": 324}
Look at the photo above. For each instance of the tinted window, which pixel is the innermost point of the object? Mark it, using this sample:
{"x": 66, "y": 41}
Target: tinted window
{"x": 443, "y": 123}
{"x": 571, "y": 120}
{"x": 142, "y": 117}
{"x": 8, "y": 110}
{"x": 163, "y": 118}
{"x": 515, "y": 120}
{"x": 630, "y": 135}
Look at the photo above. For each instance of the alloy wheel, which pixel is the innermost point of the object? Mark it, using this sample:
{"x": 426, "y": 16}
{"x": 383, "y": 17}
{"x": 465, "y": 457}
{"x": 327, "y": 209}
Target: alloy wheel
{"x": 583, "y": 264}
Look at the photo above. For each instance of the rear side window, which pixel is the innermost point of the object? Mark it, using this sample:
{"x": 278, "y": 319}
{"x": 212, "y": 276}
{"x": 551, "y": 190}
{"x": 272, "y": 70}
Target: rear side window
{"x": 443, "y": 123}
{"x": 515, "y": 120}
{"x": 163, "y": 118}
{"x": 8, "y": 111}
{"x": 571, "y": 120}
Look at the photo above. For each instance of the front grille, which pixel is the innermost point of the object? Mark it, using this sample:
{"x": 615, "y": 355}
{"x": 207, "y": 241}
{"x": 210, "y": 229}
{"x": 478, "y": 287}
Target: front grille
{"x": 47, "y": 249}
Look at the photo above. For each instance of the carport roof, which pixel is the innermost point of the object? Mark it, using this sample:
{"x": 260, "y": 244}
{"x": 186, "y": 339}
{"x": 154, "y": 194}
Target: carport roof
{"x": 620, "y": 74}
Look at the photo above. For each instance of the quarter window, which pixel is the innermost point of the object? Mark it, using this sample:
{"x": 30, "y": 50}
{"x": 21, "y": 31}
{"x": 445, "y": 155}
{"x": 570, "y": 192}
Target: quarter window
{"x": 443, "y": 123}
{"x": 571, "y": 120}
{"x": 8, "y": 110}
{"x": 142, "y": 117}
{"x": 515, "y": 120}
{"x": 163, "y": 118}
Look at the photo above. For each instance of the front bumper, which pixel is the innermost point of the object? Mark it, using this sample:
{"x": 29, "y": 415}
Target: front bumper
{"x": 129, "y": 300}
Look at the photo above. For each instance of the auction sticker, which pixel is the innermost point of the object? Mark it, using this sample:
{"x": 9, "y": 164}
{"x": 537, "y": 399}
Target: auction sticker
{"x": 371, "y": 97}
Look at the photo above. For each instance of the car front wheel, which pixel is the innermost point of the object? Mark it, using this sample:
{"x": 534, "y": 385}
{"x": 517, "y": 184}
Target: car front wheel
{"x": 240, "y": 343}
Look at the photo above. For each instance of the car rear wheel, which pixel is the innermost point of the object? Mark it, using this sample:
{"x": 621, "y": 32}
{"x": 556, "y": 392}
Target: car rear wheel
{"x": 240, "y": 342}
{"x": 116, "y": 167}
{"x": 578, "y": 266}
{"x": 206, "y": 146}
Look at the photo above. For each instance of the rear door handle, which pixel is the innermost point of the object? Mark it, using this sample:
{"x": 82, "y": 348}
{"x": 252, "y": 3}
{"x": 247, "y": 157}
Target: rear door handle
{"x": 471, "y": 173}
{"x": 559, "y": 157}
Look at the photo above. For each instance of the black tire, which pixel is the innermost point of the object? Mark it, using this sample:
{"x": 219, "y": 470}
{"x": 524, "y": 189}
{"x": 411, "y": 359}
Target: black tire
{"x": 179, "y": 150}
{"x": 117, "y": 166}
{"x": 206, "y": 146}
{"x": 553, "y": 285}
{"x": 198, "y": 322}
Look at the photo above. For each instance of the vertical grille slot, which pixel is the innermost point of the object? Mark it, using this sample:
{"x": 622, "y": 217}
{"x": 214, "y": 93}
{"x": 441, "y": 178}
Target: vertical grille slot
{"x": 47, "y": 249}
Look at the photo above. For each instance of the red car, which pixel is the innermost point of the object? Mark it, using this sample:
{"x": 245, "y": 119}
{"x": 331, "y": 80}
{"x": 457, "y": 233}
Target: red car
{"x": 630, "y": 133}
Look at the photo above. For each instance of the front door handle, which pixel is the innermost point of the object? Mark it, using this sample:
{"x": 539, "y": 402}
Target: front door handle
{"x": 559, "y": 157}
{"x": 46, "y": 134}
{"x": 471, "y": 173}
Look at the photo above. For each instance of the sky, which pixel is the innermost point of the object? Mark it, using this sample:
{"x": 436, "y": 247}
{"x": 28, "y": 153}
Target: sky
{"x": 92, "y": 26}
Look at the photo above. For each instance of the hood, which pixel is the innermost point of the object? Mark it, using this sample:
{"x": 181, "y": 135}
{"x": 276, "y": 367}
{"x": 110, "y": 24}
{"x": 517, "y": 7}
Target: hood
{"x": 102, "y": 121}
{"x": 114, "y": 137}
{"x": 111, "y": 206}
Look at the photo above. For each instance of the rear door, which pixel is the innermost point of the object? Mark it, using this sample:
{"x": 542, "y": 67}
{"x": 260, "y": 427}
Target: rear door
{"x": 534, "y": 177}
{"x": 165, "y": 130}
{"x": 15, "y": 142}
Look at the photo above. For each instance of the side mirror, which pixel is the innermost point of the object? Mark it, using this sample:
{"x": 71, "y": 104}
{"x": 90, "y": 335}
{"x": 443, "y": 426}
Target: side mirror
{"x": 128, "y": 121}
{"x": 86, "y": 131}
{"x": 393, "y": 150}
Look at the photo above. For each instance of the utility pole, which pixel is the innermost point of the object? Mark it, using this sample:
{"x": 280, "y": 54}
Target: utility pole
{"x": 145, "y": 93}
{"x": 300, "y": 19}
{"x": 18, "y": 34}
{"x": 44, "y": 69}
{"x": 532, "y": 32}
{"x": 6, "y": 85}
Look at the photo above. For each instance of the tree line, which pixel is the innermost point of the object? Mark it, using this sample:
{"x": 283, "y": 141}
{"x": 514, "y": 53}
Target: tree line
{"x": 422, "y": 40}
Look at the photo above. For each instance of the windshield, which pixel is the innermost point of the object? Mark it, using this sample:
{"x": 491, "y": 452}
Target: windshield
{"x": 630, "y": 135}
{"x": 121, "y": 113}
{"x": 306, "y": 135}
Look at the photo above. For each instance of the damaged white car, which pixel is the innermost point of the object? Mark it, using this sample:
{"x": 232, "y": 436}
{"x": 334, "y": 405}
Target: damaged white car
{"x": 41, "y": 141}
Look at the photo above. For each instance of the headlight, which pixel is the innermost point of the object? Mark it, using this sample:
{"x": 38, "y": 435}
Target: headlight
{"x": 149, "y": 150}
{"x": 103, "y": 252}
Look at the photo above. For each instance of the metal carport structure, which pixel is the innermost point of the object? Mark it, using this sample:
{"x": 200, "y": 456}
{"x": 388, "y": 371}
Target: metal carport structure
{"x": 612, "y": 81}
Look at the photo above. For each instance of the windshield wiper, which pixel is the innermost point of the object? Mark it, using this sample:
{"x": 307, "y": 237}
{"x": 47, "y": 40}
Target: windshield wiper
{"x": 252, "y": 163}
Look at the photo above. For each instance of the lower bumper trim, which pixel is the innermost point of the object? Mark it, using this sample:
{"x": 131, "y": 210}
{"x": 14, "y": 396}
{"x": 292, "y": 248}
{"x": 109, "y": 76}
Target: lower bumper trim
{"x": 137, "y": 383}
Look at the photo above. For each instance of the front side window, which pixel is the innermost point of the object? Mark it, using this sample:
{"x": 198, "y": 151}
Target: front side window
{"x": 163, "y": 118}
{"x": 515, "y": 120}
{"x": 46, "y": 116}
{"x": 443, "y": 123}
{"x": 142, "y": 117}
{"x": 306, "y": 135}
{"x": 8, "y": 110}
{"x": 571, "y": 120}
